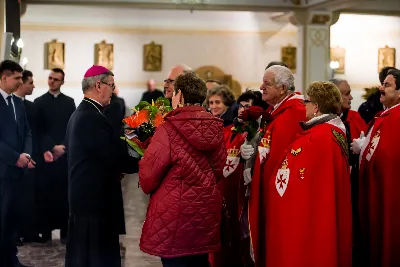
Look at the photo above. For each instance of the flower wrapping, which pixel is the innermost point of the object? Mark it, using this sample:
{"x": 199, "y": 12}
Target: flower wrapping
{"x": 141, "y": 125}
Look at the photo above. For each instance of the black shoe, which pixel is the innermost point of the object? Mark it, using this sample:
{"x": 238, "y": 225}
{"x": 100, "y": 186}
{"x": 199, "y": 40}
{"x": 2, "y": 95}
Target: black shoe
{"x": 63, "y": 241}
{"x": 19, "y": 243}
{"x": 35, "y": 239}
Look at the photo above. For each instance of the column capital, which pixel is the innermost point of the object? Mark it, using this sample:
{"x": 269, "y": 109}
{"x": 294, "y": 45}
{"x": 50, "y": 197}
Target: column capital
{"x": 314, "y": 17}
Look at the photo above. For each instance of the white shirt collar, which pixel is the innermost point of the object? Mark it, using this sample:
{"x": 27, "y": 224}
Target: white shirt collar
{"x": 390, "y": 108}
{"x": 291, "y": 96}
{"x": 54, "y": 95}
{"x": 95, "y": 101}
{"x": 4, "y": 94}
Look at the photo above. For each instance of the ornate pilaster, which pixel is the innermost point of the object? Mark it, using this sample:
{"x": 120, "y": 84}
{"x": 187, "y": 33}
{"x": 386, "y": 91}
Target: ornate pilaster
{"x": 313, "y": 55}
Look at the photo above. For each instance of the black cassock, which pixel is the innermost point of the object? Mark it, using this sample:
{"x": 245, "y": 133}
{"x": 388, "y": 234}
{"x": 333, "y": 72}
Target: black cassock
{"x": 54, "y": 113}
{"x": 32, "y": 189}
{"x": 96, "y": 159}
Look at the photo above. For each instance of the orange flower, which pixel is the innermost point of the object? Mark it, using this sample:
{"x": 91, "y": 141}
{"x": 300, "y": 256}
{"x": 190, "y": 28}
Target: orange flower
{"x": 137, "y": 119}
{"x": 158, "y": 119}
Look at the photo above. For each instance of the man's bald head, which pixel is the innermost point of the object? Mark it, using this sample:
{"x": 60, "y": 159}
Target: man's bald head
{"x": 172, "y": 75}
{"x": 151, "y": 85}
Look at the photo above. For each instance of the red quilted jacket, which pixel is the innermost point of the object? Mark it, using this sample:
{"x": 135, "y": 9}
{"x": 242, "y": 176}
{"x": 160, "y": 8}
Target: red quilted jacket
{"x": 184, "y": 213}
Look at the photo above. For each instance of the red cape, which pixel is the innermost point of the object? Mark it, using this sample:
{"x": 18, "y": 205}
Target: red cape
{"x": 379, "y": 192}
{"x": 234, "y": 193}
{"x": 356, "y": 123}
{"x": 308, "y": 202}
{"x": 279, "y": 134}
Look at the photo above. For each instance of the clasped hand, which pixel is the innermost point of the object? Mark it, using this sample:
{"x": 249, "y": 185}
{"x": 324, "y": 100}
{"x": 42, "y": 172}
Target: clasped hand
{"x": 24, "y": 161}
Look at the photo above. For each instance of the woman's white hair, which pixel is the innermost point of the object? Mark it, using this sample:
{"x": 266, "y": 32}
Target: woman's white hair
{"x": 283, "y": 76}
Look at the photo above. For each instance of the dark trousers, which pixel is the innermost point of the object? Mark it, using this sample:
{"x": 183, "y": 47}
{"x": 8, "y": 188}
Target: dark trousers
{"x": 9, "y": 220}
{"x": 188, "y": 261}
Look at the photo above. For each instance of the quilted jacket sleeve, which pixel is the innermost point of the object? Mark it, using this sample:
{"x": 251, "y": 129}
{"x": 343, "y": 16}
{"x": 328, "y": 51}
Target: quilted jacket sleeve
{"x": 155, "y": 162}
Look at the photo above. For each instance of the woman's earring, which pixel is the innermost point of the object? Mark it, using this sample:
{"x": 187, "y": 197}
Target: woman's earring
{"x": 315, "y": 114}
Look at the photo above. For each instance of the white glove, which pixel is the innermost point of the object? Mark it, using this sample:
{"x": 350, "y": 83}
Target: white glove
{"x": 246, "y": 151}
{"x": 247, "y": 176}
{"x": 357, "y": 144}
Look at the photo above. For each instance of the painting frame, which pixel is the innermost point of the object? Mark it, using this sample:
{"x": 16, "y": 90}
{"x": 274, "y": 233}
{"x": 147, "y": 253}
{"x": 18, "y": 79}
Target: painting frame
{"x": 54, "y": 55}
{"x": 386, "y": 57}
{"x": 152, "y": 57}
{"x": 289, "y": 57}
{"x": 104, "y": 54}
{"x": 339, "y": 54}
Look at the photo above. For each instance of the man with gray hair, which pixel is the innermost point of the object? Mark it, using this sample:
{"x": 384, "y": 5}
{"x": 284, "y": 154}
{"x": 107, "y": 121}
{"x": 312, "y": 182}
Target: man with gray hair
{"x": 96, "y": 159}
{"x": 175, "y": 71}
{"x": 278, "y": 132}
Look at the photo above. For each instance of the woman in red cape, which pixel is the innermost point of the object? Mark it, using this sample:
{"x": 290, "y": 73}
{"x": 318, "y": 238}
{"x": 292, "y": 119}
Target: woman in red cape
{"x": 308, "y": 199}
{"x": 237, "y": 253}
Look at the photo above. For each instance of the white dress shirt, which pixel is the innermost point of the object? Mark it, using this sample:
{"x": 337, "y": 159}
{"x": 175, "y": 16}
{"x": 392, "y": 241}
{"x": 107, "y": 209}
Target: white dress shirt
{"x": 5, "y": 95}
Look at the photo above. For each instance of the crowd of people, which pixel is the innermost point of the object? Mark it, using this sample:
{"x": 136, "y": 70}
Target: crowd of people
{"x": 315, "y": 186}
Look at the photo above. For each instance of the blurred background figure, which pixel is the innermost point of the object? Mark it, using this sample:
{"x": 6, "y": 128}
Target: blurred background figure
{"x": 152, "y": 92}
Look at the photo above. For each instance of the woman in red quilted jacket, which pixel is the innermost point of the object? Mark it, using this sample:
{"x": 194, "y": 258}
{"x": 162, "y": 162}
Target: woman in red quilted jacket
{"x": 181, "y": 170}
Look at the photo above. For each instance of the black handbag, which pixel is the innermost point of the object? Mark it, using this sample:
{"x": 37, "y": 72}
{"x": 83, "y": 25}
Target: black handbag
{"x": 226, "y": 234}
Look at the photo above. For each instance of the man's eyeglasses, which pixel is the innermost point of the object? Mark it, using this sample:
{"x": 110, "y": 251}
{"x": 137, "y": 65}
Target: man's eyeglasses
{"x": 111, "y": 85}
{"x": 169, "y": 81}
{"x": 54, "y": 79}
{"x": 306, "y": 101}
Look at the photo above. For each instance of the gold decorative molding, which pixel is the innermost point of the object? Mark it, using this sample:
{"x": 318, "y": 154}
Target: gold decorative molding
{"x": 339, "y": 54}
{"x": 152, "y": 57}
{"x": 319, "y": 36}
{"x": 104, "y": 55}
{"x": 386, "y": 57}
{"x": 288, "y": 56}
{"x": 54, "y": 55}
{"x": 146, "y": 30}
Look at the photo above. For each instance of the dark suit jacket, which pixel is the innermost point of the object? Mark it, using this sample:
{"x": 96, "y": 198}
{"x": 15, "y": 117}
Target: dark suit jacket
{"x": 96, "y": 158}
{"x": 15, "y": 137}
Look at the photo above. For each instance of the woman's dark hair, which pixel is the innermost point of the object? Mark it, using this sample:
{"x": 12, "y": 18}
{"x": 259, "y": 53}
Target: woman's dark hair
{"x": 256, "y": 98}
{"x": 384, "y": 72}
{"x": 224, "y": 92}
{"x": 193, "y": 88}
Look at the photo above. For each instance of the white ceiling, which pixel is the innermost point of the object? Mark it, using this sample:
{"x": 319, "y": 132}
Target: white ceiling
{"x": 387, "y": 7}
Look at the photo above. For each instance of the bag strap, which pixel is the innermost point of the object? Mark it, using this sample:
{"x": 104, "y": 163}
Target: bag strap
{"x": 217, "y": 178}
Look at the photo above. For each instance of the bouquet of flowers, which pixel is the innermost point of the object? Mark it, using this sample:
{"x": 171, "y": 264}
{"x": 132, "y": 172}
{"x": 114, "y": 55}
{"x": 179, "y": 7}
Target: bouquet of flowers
{"x": 142, "y": 124}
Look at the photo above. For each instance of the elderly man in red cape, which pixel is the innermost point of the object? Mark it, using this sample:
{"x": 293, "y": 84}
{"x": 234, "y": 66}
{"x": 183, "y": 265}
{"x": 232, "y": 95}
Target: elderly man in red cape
{"x": 379, "y": 180}
{"x": 287, "y": 110}
{"x": 308, "y": 198}
{"x": 355, "y": 126}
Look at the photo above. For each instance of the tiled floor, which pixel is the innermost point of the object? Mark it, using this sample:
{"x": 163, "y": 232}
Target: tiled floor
{"x": 135, "y": 211}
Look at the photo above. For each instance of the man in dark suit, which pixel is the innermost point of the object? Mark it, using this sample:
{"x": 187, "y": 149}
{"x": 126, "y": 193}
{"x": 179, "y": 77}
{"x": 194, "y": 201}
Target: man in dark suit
{"x": 33, "y": 188}
{"x": 15, "y": 159}
{"x": 96, "y": 159}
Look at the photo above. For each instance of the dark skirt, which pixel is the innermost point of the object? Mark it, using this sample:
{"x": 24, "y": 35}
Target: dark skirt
{"x": 92, "y": 242}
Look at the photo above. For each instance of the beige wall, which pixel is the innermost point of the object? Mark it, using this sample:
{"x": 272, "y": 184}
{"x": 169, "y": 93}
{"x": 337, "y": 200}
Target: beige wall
{"x": 240, "y": 43}
{"x": 362, "y": 36}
